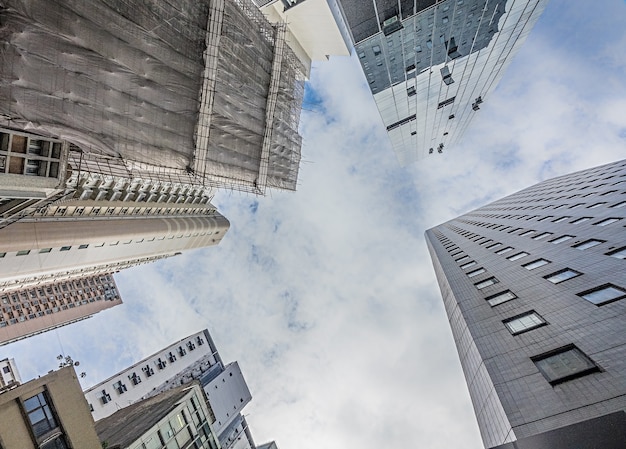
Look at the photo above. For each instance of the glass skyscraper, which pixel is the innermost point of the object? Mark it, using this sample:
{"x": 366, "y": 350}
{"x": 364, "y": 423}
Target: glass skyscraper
{"x": 534, "y": 286}
{"x": 430, "y": 65}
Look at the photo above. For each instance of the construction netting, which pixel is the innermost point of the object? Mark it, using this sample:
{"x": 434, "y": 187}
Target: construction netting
{"x": 128, "y": 78}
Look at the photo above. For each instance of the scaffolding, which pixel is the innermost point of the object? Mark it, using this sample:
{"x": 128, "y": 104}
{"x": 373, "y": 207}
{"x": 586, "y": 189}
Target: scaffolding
{"x": 205, "y": 91}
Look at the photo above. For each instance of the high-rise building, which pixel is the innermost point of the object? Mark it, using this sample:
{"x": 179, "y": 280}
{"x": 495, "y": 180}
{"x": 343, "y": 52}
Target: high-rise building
{"x": 49, "y": 412}
{"x": 431, "y": 64}
{"x": 30, "y": 311}
{"x": 192, "y": 358}
{"x": 534, "y": 286}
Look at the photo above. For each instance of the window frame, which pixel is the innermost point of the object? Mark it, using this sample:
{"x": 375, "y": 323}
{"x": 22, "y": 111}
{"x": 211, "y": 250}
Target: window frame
{"x": 542, "y": 322}
{"x": 600, "y": 288}
{"x": 564, "y": 270}
{"x": 594, "y": 368}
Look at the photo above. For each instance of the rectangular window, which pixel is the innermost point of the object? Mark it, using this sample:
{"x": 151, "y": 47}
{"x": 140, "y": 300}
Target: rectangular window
{"x": 562, "y": 275}
{"x": 618, "y": 205}
{"x": 561, "y": 239}
{"x": 504, "y": 250}
{"x": 593, "y": 206}
{"x": 486, "y": 283}
{"x": 560, "y": 219}
{"x": 39, "y": 411}
{"x": 524, "y": 322}
{"x": 517, "y": 256}
{"x": 524, "y": 234}
{"x": 445, "y": 103}
{"x": 468, "y": 264}
{"x": 543, "y": 235}
{"x": 607, "y": 221}
{"x": 461, "y": 259}
{"x": 564, "y": 364}
{"x": 23, "y": 252}
{"x": 45, "y": 250}
{"x": 66, "y": 248}
{"x": 618, "y": 253}
{"x": 493, "y": 245}
{"x": 471, "y": 274}
{"x": 604, "y": 294}
{"x": 576, "y": 205}
{"x": 588, "y": 244}
{"x": 536, "y": 264}
{"x": 547, "y": 217}
{"x": 500, "y": 298}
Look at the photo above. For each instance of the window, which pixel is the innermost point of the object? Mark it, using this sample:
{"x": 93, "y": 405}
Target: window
{"x": 618, "y": 205}
{"x": 564, "y": 364}
{"x": 524, "y": 234}
{"x": 120, "y": 387}
{"x": 604, "y": 294}
{"x": 66, "y": 248}
{"x": 607, "y": 221}
{"x": 561, "y": 239}
{"x": 493, "y": 245}
{"x": 560, "y": 219}
{"x": 524, "y": 322}
{"x": 574, "y": 206}
{"x": 500, "y": 298}
{"x": 40, "y": 415}
{"x": 536, "y": 264}
{"x": 517, "y": 256}
{"x": 543, "y": 235}
{"x": 83, "y": 246}
{"x": 588, "y": 244}
{"x": 593, "y": 206}
{"x": 45, "y": 250}
{"x": 461, "y": 259}
{"x": 562, "y": 275}
{"x": 468, "y": 264}
{"x": 581, "y": 220}
{"x": 504, "y": 250}
{"x": 471, "y": 274}
{"x": 618, "y": 253}
{"x": 486, "y": 283}
{"x": 23, "y": 252}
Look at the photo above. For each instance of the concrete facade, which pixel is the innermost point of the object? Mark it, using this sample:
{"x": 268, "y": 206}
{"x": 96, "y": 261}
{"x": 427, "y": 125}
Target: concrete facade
{"x": 55, "y": 405}
{"x": 534, "y": 287}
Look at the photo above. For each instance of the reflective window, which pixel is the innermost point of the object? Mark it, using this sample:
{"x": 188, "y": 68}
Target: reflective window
{"x": 564, "y": 364}
{"x": 493, "y": 245}
{"x": 536, "y": 264}
{"x": 562, "y": 275}
{"x": 588, "y": 244}
{"x": 561, "y": 239}
{"x": 607, "y": 221}
{"x": 505, "y": 250}
{"x": 486, "y": 283}
{"x": 543, "y": 235}
{"x": 560, "y": 219}
{"x": 468, "y": 264}
{"x": 525, "y": 322}
{"x": 618, "y": 205}
{"x": 518, "y": 256}
{"x": 524, "y": 234}
{"x": 604, "y": 294}
{"x": 500, "y": 298}
{"x": 471, "y": 274}
{"x": 581, "y": 220}
{"x": 618, "y": 253}
{"x": 40, "y": 414}
{"x": 461, "y": 259}
{"x": 593, "y": 206}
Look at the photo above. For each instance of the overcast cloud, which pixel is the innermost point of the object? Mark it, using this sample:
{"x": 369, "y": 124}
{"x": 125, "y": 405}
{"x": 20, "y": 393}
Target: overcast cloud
{"x": 327, "y": 296}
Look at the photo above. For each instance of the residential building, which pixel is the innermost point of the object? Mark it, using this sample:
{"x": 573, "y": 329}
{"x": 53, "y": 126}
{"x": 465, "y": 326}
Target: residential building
{"x": 29, "y": 311}
{"x": 49, "y": 412}
{"x": 177, "y": 418}
{"x": 431, "y": 64}
{"x": 9, "y": 376}
{"x": 534, "y": 287}
{"x": 192, "y": 358}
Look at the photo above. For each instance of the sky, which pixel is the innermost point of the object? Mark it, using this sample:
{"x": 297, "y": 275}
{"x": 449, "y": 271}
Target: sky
{"x": 327, "y": 296}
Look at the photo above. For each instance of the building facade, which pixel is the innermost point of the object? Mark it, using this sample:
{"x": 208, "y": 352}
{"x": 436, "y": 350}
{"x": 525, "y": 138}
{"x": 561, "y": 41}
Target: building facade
{"x": 49, "y": 412}
{"x": 194, "y": 358}
{"x": 534, "y": 286}
{"x": 431, "y": 64}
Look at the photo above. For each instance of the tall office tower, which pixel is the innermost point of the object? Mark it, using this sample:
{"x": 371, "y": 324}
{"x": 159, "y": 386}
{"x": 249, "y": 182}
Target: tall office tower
{"x": 192, "y": 358}
{"x": 30, "y": 311}
{"x": 49, "y": 412}
{"x": 431, "y": 64}
{"x": 175, "y": 419}
{"x": 534, "y": 286}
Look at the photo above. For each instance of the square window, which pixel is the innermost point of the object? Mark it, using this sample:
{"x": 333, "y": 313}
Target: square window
{"x": 563, "y": 275}
{"x": 486, "y": 283}
{"x": 588, "y": 244}
{"x": 607, "y": 221}
{"x": 581, "y": 220}
{"x": 536, "y": 264}
{"x": 517, "y": 256}
{"x": 603, "y": 294}
{"x": 543, "y": 235}
{"x": 468, "y": 264}
{"x": 564, "y": 364}
{"x": 504, "y": 250}
{"x": 500, "y": 298}
{"x": 561, "y": 239}
{"x": 471, "y": 274}
{"x": 618, "y": 253}
{"x": 524, "y": 322}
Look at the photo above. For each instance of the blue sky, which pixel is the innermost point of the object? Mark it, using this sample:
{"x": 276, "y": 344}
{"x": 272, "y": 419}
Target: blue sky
{"x": 326, "y": 296}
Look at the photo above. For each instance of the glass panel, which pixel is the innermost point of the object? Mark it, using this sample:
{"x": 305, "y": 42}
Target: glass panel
{"x": 505, "y": 250}
{"x": 564, "y": 365}
{"x": 468, "y": 264}
{"x": 476, "y": 272}
{"x": 562, "y": 276}
{"x": 588, "y": 244}
{"x": 518, "y": 256}
{"x": 524, "y": 323}
{"x": 536, "y": 264}
{"x": 486, "y": 283}
{"x": 619, "y": 254}
{"x": 500, "y": 298}
{"x": 562, "y": 239}
{"x": 603, "y": 295}
{"x": 608, "y": 221}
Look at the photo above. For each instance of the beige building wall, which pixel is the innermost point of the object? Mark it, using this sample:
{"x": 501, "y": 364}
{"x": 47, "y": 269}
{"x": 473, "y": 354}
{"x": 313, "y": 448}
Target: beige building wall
{"x": 67, "y": 404}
